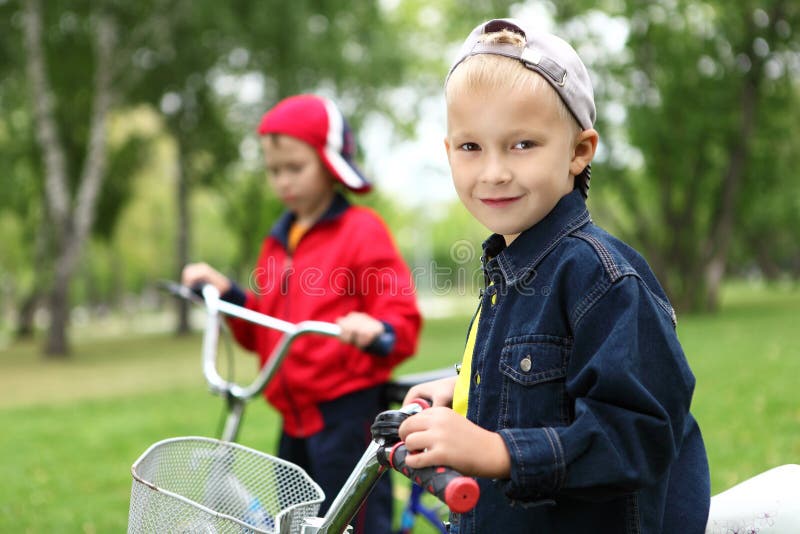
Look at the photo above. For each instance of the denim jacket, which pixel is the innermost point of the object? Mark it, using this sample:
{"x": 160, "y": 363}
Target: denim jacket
{"x": 578, "y": 367}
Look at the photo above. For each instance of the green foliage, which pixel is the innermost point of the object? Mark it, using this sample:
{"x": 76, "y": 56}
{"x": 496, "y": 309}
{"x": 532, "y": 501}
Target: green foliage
{"x": 681, "y": 78}
{"x": 706, "y": 89}
{"x": 192, "y": 64}
{"x": 249, "y": 210}
{"x": 116, "y": 194}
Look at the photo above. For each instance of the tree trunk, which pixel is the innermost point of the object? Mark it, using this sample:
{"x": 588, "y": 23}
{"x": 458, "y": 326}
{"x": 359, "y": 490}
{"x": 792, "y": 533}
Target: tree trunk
{"x": 71, "y": 224}
{"x": 57, "y": 345}
{"x": 26, "y": 314}
{"x": 182, "y": 238}
{"x": 766, "y": 263}
{"x": 722, "y": 231}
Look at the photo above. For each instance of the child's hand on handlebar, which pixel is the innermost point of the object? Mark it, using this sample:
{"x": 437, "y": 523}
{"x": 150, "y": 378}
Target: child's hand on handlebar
{"x": 442, "y": 437}
{"x": 359, "y": 329}
{"x": 194, "y": 274}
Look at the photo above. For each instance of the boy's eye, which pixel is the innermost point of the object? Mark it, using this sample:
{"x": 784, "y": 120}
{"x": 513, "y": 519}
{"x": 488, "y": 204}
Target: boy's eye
{"x": 522, "y": 145}
{"x": 294, "y": 168}
{"x": 469, "y": 147}
{"x": 289, "y": 168}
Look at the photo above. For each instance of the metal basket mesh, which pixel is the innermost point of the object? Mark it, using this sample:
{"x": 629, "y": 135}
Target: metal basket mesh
{"x": 203, "y": 485}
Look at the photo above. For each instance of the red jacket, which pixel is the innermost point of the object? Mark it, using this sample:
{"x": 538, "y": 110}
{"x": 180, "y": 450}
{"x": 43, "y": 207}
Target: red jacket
{"x": 346, "y": 262}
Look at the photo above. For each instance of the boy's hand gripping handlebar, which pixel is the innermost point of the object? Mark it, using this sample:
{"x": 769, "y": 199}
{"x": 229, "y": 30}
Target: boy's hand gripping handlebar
{"x": 386, "y": 450}
{"x": 458, "y": 492}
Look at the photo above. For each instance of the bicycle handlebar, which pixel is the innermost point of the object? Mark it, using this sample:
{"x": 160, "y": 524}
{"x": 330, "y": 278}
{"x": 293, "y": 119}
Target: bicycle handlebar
{"x": 458, "y": 492}
{"x": 386, "y": 450}
{"x": 291, "y": 331}
{"x": 216, "y": 306}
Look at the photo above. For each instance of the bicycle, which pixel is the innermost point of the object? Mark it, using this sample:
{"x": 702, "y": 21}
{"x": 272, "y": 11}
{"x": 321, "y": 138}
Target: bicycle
{"x": 235, "y": 493}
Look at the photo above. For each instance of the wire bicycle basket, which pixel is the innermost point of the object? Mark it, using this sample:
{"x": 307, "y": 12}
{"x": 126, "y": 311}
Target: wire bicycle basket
{"x": 204, "y": 485}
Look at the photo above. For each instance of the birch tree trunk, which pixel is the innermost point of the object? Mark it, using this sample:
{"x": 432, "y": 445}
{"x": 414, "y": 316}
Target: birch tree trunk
{"x": 183, "y": 232}
{"x": 71, "y": 218}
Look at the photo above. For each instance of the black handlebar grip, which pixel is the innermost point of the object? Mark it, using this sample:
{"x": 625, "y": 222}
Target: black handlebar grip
{"x": 197, "y": 290}
{"x": 458, "y": 492}
{"x": 194, "y": 293}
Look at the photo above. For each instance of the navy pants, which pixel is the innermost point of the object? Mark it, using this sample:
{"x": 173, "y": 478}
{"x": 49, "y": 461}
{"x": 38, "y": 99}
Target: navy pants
{"x": 330, "y": 455}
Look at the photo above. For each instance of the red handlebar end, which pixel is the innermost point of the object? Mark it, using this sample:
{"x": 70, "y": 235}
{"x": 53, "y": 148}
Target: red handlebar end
{"x": 392, "y": 451}
{"x": 424, "y": 404}
{"x": 461, "y": 494}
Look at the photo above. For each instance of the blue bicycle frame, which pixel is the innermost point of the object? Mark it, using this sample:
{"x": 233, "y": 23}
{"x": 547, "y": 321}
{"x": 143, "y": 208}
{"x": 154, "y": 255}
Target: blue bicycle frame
{"x": 415, "y": 508}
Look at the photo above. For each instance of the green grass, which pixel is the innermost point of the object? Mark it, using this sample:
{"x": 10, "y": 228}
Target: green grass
{"x": 747, "y": 361}
{"x": 72, "y": 429}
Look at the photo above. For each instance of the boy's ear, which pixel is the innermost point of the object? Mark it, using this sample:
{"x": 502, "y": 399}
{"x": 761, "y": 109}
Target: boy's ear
{"x": 585, "y": 147}
{"x": 447, "y": 148}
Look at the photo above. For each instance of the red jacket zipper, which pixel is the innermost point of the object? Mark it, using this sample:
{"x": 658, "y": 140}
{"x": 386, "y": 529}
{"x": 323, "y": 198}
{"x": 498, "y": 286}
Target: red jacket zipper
{"x": 287, "y": 273}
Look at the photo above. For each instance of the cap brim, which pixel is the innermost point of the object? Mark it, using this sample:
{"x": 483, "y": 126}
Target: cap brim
{"x": 346, "y": 172}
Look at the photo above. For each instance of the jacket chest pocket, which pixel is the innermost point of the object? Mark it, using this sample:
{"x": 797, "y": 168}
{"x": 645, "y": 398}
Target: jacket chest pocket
{"x": 534, "y": 370}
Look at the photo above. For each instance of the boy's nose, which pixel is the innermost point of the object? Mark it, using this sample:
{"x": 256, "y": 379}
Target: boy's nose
{"x": 280, "y": 178}
{"x": 496, "y": 171}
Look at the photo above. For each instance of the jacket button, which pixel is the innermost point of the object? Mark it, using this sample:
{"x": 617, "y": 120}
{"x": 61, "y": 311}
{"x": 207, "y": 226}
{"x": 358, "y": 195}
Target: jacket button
{"x": 477, "y": 378}
{"x": 525, "y": 364}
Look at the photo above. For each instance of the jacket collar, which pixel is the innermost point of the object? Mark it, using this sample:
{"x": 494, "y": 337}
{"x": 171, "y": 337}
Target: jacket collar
{"x": 531, "y": 246}
{"x": 280, "y": 229}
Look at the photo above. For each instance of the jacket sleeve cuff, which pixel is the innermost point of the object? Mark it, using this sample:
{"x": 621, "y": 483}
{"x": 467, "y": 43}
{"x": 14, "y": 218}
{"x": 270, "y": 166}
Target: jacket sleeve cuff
{"x": 234, "y": 295}
{"x": 538, "y": 466}
{"x": 382, "y": 345}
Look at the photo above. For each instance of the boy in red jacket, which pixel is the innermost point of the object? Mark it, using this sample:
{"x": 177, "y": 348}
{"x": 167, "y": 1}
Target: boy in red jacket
{"x": 325, "y": 260}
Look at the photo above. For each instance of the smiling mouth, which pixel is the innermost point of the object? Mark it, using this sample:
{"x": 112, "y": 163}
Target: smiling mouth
{"x": 499, "y": 202}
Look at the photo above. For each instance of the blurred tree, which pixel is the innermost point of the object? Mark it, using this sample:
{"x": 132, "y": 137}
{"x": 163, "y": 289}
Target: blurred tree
{"x": 71, "y": 211}
{"x": 23, "y": 183}
{"x": 701, "y": 84}
{"x": 211, "y": 69}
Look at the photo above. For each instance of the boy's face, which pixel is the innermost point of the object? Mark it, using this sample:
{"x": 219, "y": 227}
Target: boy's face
{"x": 297, "y": 175}
{"x": 511, "y": 156}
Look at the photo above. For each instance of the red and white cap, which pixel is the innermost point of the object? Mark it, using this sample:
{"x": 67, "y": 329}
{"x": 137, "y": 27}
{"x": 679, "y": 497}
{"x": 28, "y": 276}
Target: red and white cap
{"x": 317, "y": 121}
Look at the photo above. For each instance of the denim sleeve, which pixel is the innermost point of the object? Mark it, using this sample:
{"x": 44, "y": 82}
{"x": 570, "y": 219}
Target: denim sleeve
{"x": 631, "y": 387}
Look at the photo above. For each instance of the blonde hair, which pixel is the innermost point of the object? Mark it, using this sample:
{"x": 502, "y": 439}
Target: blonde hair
{"x": 492, "y": 72}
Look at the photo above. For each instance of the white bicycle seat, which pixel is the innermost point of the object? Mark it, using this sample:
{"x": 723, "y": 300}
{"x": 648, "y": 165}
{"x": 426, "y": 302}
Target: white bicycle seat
{"x": 768, "y": 503}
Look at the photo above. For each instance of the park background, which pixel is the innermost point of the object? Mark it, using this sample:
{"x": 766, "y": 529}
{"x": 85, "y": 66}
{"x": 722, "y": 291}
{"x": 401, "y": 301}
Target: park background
{"x": 127, "y": 148}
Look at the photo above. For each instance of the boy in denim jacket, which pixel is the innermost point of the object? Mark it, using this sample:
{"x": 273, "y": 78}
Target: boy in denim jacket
{"x": 572, "y": 402}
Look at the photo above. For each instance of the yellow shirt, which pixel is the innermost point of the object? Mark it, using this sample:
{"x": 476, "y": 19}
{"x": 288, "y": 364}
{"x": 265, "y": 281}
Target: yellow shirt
{"x": 461, "y": 391}
{"x": 296, "y": 233}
